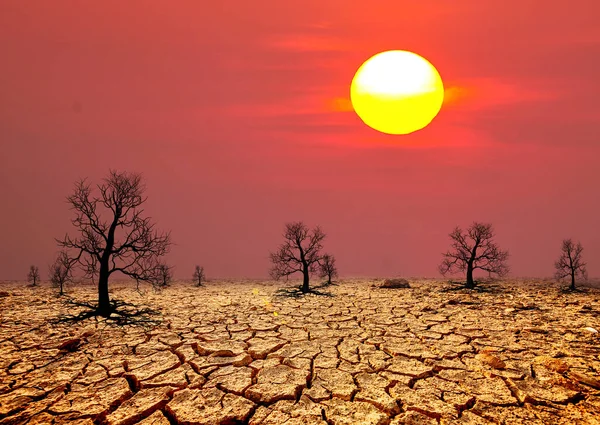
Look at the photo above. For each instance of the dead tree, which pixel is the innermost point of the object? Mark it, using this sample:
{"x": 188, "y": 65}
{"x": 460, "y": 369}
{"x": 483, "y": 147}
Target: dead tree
{"x": 327, "y": 268}
{"x": 164, "y": 275}
{"x": 113, "y": 234}
{"x": 472, "y": 250}
{"x": 199, "y": 275}
{"x": 299, "y": 253}
{"x": 34, "y": 275}
{"x": 61, "y": 272}
{"x": 570, "y": 263}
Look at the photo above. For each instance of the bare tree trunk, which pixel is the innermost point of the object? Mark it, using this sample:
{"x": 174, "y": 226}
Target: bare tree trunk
{"x": 305, "y": 287}
{"x": 103, "y": 297}
{"x": 572, "y": 280}
{"x": 103, "y": 308}
{"x": 470, "y": 281}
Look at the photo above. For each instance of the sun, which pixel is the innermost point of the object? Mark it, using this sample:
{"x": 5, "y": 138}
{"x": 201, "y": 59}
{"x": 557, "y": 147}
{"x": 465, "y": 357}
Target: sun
{"x": 397, "y": 92}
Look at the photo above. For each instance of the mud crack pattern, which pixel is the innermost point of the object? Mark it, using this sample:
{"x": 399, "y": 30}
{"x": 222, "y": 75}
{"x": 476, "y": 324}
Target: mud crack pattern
{"x": 233, "y": 353}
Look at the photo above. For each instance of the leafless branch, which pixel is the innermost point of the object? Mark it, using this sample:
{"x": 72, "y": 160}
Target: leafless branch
{"x": 113, "y": 235}
{"x": 60, "y": 272}
{"x": 33, "y": 277}
{"x": 327, "y": 268}
{"x": 570, "y": 263}
{"x": 299, "y": 253}
{"x": 199, "y": 276}
{"x": 474, "y": 249}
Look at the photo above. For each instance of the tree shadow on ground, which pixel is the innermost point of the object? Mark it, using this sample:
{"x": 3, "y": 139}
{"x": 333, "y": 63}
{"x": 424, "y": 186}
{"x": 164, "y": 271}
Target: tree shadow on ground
{"x": 296, "y": 292}
{"x": 325, "y": 285}
{"x": 121, "y": 314}
{"x": 577, "y": 290}
{"x": 485, "y": 286}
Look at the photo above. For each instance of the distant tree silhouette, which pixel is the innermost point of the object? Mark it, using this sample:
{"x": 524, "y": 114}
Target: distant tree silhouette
{"x": 199, "y": 275}
{"x": 474, "y": 249}
{"x": 33, "y": 276}
{"x": 570, "y": 263}
{"x": 327, "y": 268}
{"x": 164, "y": 275}
{"x": 299, "y": 253}
{"x": 113, "y": 234}
{"x": 61, "y": 272}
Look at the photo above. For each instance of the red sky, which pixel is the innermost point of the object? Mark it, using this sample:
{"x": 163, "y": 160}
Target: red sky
{"x": 237, "y": 115}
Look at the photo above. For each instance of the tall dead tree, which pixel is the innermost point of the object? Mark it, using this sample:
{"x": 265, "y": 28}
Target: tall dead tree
{"x": 61, "y": 272}
{"x": 199, "y": 275}
{"x": 113, "y": 235}
{"x": 33, "y": 277}
{"x": 472, "y": 250}
{"x": 327, "y": 268}
{"x": 570, "y": 263}
{"x": 299, "y": 253}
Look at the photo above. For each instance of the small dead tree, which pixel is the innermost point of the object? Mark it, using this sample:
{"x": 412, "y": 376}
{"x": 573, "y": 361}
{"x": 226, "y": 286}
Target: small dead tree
{"x": 61, "y": 272}
{"x": 199, "y": 276}
{"x": 164, "y": 275}
{"x": 327, "y": 268}
{"x": 570, "y": 263}
{"x": 299, "y": 253}
{"x": 113, "y": 234}
{"x": 33, "y": 277}
{"x": 472, "y": 250}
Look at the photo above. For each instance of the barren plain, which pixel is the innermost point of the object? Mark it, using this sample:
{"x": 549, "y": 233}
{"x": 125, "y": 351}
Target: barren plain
{"x": 237, "y": 353}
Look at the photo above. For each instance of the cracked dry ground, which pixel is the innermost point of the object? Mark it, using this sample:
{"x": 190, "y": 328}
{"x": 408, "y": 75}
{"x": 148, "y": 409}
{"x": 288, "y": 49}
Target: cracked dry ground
{"x": 233, "y": 353}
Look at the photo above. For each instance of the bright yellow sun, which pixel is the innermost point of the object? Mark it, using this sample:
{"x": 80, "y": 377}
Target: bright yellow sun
{"x": 397, "y": 92}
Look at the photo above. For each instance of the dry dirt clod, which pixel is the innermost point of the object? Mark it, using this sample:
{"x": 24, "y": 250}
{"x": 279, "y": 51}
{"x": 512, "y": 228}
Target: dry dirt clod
{"x": 491, "y": 360}
{"x": 70, "y": 344}
{"x": 157, "y": 418}
{"x": 280, "y": 382}
{"x": 552, "y": 364}
{"x": 208, "y": 406}
{"x": 140, "y": 406}
{"x": 395, "y": 283}
{"x": 583, "y": 378}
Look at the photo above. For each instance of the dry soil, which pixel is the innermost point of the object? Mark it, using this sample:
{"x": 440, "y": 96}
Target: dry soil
{"x": 236, "y": 353}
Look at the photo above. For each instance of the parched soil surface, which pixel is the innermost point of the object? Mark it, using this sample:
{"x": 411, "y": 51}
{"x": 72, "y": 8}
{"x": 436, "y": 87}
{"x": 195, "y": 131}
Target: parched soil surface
{"x": 235, "y": 353}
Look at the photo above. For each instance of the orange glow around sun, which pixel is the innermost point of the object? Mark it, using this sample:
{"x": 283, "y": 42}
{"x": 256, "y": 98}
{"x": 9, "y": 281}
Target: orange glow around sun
{"x": 397, "y": 92}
